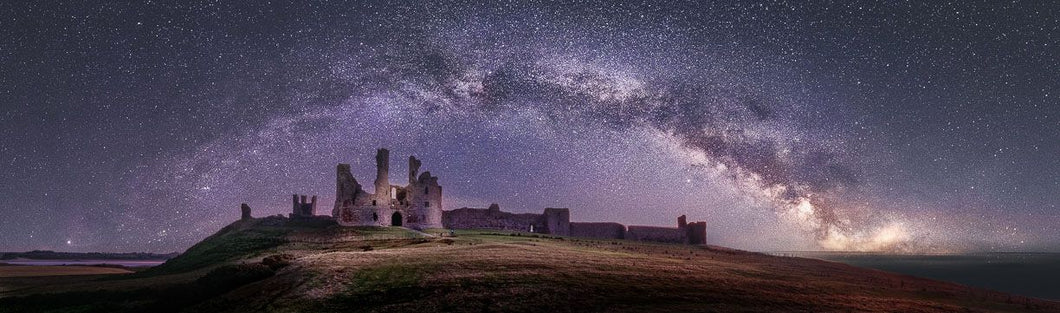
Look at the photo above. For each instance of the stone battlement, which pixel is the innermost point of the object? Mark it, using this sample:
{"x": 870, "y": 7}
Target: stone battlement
{"x": 556, "y": 221}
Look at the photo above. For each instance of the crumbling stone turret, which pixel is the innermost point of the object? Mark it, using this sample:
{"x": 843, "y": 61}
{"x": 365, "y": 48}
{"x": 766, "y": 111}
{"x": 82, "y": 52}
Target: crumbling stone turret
{"x": 246, "y": 211}
{"x": 301, "y": 207}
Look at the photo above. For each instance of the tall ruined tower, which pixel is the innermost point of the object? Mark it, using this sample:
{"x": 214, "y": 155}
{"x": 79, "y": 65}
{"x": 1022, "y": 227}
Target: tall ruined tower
{"x": 414, "y": 167}
{"x": 346, "y": 188}
{"x": 417, "y": 205}
{"x": 382, "y": 180}
{"x": 303, "y": 207}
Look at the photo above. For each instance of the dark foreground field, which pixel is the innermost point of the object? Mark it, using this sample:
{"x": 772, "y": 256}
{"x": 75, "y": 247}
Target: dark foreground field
{"x": 318, "y": 267}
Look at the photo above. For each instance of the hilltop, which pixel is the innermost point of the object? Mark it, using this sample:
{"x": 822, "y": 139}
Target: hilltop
{"x": 293, "y": 265}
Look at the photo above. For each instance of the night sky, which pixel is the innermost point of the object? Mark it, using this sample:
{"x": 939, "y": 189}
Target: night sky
{"x": 785, "y": 125}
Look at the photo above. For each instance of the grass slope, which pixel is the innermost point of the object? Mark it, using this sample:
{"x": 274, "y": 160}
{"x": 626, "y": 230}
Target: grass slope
{"x": 245, "y": 238}
{"x": 326, "y": 268}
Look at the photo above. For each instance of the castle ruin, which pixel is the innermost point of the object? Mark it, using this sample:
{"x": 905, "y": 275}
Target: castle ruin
{"x": 418, "y": 205}
{"x": 556, "y": 221}
{"x": 303, "y": 208}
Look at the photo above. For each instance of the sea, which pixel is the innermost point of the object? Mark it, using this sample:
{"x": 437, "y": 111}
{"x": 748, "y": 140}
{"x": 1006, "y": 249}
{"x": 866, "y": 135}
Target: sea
{"x": 1028, "y": 274}
{"x": 126, "y": 263}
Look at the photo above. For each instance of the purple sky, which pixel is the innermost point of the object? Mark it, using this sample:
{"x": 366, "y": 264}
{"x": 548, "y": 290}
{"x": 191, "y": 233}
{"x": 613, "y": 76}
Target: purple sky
{"x": 785, "y": 126}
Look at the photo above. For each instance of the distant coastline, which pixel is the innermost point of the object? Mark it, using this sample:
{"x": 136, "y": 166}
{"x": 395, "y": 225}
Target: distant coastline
{"x": 54, "y": 255}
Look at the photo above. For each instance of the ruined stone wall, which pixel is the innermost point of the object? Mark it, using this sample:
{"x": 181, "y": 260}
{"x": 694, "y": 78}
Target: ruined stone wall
{"x": 697, "y": 233}
{"x": 598, "y": 230}
{"x": 557, "y": 221}
{"x": 361, "y": 212}
{"x": 492, "y": 218}
{"x": 346, "y": 188}
{"x": 423, "y": 197}
{"x": 434, "y": 213}
{"x": 656, "y": 234}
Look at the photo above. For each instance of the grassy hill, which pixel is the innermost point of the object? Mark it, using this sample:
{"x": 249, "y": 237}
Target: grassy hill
{"x": 278, "y": 265}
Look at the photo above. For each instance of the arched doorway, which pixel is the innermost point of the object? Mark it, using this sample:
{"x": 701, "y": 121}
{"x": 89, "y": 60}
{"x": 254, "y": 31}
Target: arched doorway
{"x": 395, "y": 220}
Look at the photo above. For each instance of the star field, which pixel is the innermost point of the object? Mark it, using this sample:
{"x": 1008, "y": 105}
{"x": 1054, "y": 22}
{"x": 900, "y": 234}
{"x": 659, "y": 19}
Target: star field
{"x": 858, "y": 125}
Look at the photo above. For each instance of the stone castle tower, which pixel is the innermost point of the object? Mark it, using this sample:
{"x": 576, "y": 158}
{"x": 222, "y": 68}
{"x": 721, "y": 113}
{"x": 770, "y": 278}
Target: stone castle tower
{"x": 303, "y": 208}
{"x": 417, "y": 205}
